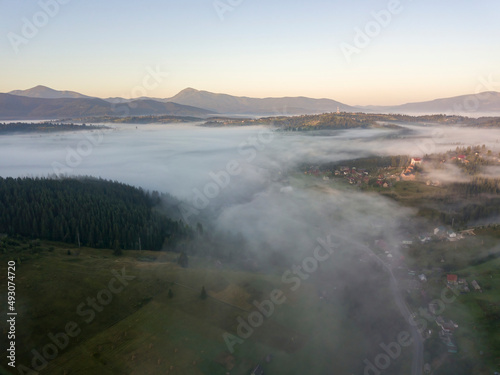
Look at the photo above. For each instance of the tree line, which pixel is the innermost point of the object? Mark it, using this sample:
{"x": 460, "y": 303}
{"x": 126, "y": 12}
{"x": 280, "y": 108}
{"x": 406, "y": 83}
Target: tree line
{"x": 86, "y": 211}
{"x": 47, "y": 127}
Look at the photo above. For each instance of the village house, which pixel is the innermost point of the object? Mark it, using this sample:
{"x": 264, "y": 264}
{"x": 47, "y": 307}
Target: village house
{"x": 416, "y": 161}
{"x": 452, "y": 279}
{"x": 446, "y": 334}
{"x": 448, "y": 327}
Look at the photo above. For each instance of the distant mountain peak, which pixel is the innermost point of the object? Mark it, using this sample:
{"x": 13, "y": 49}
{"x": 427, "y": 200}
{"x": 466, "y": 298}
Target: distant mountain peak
{"x": 188, "y": 90}
{"x": 45, "y": 92}
{"x": 42, "y": 87}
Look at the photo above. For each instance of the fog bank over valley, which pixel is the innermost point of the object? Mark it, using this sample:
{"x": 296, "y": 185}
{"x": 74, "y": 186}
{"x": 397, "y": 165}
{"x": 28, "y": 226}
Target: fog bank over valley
{"x": 241, "y": 176}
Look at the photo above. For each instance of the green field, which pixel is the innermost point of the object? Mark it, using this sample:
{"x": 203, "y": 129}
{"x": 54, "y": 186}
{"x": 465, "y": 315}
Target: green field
{"x": 479, "y": 314}
{"x": 144, "y": 331}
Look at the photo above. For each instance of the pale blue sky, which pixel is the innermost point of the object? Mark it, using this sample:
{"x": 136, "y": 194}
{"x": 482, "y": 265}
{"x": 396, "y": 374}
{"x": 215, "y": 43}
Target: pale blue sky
{"x": 261, "y": 48}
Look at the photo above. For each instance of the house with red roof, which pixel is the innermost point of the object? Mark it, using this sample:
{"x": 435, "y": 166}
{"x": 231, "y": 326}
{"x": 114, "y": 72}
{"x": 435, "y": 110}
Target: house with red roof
{"x": 452, "y": 279}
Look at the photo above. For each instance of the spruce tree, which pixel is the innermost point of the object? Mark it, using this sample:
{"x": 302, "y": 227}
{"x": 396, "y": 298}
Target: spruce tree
{"x": 203, "y": 294}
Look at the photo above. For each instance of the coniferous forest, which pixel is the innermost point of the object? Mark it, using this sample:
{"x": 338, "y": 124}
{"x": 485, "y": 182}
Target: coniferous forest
{"x": 86, "y": 211}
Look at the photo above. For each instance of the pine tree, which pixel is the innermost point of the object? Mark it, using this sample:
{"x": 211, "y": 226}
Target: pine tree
{"x": 203, "y": 294}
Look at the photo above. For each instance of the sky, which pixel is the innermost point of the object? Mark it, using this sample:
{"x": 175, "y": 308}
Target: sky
{"x": 377, "y": 52}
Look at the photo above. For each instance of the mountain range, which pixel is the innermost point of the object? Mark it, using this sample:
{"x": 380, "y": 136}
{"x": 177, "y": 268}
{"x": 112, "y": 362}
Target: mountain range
{"x": 42, "y": 102}
{"x": 227, "y": 104}
{"x": 45, "y": 92}
{"x": 482, "y": 103}
{"x": 15, "y": 107}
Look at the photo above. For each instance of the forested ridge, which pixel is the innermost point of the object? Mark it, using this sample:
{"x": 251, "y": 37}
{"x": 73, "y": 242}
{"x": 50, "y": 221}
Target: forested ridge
{"x": 45, "y": 127}
{"x": 345, "y": 120}
{"x": 93, "y": 212}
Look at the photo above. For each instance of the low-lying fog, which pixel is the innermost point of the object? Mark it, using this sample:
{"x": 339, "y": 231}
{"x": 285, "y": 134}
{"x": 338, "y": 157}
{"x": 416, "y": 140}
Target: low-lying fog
{"x": 237, "y": 174}
{"x": 227, "y": 170}
{"x": 178, "y": 158}
{"x": 237, "y": 177}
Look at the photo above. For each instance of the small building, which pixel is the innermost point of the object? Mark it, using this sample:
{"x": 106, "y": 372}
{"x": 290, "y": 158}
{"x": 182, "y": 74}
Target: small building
{"x": 447, "y": 328}
{"x": 416, "y": 161}
{"x": 452, "y": 279}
